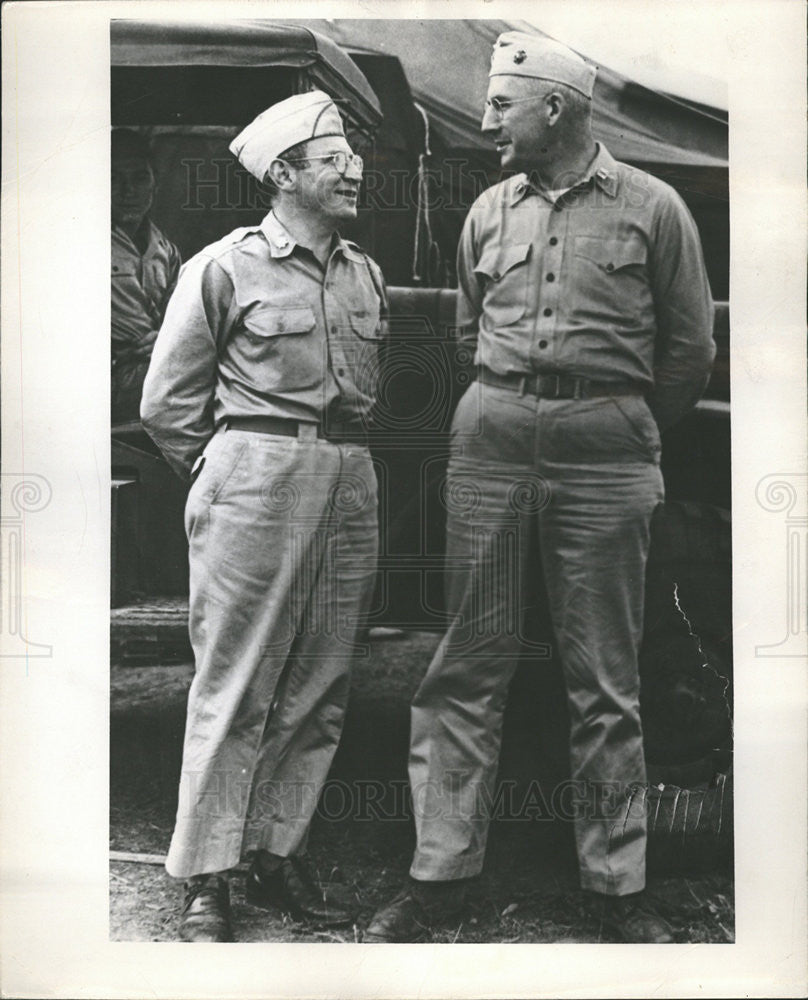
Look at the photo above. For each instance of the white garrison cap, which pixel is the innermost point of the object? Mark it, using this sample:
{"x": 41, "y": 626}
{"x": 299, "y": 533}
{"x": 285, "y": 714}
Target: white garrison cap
{"x": 520, "y": 54}
{"x": 285, "y": 124}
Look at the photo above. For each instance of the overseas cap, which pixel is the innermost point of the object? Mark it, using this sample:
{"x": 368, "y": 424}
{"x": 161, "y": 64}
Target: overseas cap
{"x": 519, "y": 54}
{"x": 285, "y": 124}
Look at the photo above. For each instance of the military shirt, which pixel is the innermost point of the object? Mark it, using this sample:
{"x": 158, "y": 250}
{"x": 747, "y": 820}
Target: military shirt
{"x": 257, "y": 327}
{"x": 141, "y": 287}
{"x": 607, "y": 282}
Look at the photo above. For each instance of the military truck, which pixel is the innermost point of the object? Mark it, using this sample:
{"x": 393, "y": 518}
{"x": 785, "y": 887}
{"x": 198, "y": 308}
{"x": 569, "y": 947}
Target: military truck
{"x": 190, "y": 87}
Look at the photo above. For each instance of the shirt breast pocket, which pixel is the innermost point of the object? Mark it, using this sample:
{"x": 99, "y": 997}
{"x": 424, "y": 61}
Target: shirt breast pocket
{"x": 504, "y": 271}
{"x": 364, "y": 322}
{"x": 360, "y": 349}
{"x": 125, "y": 280}
{"x": 264, "y": 323}
{"x": 278, "y": 349}
{"x": 613, "y": 273}
{"x": 120, "y": 271}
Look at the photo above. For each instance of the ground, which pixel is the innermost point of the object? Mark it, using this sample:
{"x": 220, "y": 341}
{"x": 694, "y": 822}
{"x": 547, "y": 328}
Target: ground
{"x": 529, "y": 891}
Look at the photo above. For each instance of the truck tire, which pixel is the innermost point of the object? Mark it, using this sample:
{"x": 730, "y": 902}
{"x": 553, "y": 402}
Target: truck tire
{"x": 686, "y": 654}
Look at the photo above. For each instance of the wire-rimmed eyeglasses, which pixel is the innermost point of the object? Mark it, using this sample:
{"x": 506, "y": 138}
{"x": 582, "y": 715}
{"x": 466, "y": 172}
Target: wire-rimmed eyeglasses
{"x": 499, "y": 105}
{"x": 340, "y": 160}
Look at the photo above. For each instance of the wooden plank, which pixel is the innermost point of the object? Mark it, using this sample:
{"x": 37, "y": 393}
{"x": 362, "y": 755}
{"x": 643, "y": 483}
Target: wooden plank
{"x": 138, "y": 859}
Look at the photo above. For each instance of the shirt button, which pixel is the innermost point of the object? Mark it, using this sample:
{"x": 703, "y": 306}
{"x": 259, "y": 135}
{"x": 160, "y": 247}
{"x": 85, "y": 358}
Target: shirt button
{"x": 496, "y": 275}
{"x": 548, "y": 312}
{"x": 334, "y": 329}
{"x": 551, "y": 276}
{"x": 340, "y": 371}
{"x": 553, "y": 240}
{"x": 610, "y": 266}
{"x": 542, "y": 343}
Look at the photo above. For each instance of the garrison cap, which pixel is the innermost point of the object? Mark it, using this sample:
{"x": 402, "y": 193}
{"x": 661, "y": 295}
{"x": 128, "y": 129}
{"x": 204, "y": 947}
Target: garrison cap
{"x": 285, "y": 124}
{"x": 519, "y": 54}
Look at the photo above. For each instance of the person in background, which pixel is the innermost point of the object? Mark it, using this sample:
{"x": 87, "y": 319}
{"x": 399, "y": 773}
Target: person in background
{"x": 584, "y": 300}
{"x": 259, "y": 391}
{"x": 145, "y": 265}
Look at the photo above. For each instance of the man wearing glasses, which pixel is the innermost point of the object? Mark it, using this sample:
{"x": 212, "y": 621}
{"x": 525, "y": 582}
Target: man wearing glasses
{"x": 259, "y": 391}
{"x": 584, "y": 301}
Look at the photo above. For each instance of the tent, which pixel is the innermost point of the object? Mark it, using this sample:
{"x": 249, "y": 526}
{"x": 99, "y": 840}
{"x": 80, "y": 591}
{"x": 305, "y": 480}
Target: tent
{"x": 446, "y": 62}
{"x": 193, "y": 84}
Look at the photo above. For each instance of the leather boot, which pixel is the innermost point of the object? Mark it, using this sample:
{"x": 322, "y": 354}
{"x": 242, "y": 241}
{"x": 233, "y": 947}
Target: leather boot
{"x": 419, "y": 906}
{"x": 632, "y": 919}
{"x": 291, "y": 888}
{"x": 206, "y": 910}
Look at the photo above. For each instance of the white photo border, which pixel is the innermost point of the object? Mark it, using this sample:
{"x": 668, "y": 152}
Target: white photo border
{"x": 55, "y": 424}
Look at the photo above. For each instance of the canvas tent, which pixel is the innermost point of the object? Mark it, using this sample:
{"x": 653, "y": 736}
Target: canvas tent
{"x": 192, "y": 85}
{"x": 446, "y": 62}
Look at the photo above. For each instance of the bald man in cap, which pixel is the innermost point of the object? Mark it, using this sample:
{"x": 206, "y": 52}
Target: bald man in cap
{"x": 259, "y": 390}
{"x": 584, "y": 302}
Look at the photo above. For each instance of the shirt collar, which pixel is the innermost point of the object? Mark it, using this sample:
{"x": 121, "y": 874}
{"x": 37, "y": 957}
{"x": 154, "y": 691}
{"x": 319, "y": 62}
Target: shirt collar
{"x": 282, "y": 243}
{"x": 153, "y": 236}
{"x": 602, "y": 169}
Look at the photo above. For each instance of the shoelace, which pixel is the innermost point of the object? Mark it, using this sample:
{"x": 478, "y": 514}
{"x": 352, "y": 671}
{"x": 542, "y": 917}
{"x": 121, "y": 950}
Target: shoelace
{"x": 195, "y": 890}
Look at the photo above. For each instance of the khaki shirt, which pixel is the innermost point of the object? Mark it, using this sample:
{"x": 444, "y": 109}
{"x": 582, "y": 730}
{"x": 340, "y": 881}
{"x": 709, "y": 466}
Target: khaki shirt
{"x": 141, "y": 287}
{"x": 257, "y": 327}
{"x": 606, "y": 282}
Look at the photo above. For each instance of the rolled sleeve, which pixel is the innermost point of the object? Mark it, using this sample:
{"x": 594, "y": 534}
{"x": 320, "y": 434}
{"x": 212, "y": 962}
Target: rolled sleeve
{"x": 179, "y": 389}
{"x": 685, "y": 349}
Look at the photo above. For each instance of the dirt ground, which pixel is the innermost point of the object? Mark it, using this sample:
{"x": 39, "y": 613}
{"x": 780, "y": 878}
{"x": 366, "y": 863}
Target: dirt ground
{"x": 529, "y": 890}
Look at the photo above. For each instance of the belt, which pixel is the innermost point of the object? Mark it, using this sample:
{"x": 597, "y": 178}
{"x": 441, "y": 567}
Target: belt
{"x": 349, "y": 434}
{"x": 557, "y": 385}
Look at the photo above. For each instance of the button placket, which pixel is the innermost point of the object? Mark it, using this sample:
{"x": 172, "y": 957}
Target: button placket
{"x": 545, "y": 320}
{"x": 341, "y": 349}
{"x": 334, "y": 344}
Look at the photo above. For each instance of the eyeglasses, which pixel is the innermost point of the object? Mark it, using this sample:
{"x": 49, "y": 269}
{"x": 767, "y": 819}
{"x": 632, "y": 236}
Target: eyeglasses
{"x": 340, "y": 160}
{"x": 500, "y": 105}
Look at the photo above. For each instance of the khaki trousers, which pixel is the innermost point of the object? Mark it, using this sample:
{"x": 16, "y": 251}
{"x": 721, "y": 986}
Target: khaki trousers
{"x": 282, "y": 545}
{"x": 581, "y": 476}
